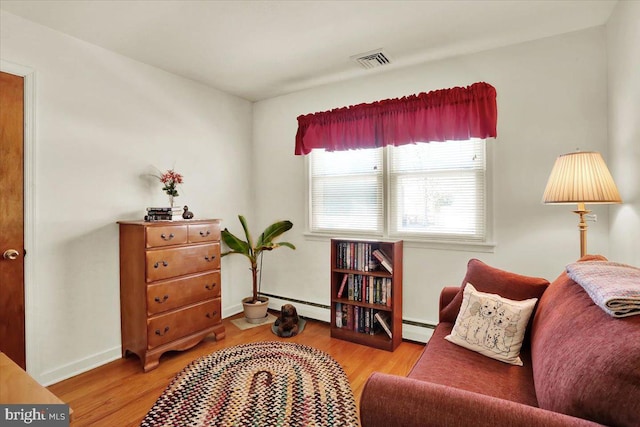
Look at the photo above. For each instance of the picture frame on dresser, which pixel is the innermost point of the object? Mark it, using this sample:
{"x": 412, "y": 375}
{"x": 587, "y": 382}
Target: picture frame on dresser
{"x": 170, "y": 282}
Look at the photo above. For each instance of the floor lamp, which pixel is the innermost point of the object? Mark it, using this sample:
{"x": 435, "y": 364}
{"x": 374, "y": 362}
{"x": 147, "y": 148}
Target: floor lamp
{"x": 581, "y": 177}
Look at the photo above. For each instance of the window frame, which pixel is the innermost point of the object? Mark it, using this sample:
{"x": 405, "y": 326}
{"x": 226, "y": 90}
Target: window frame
{"x": 410, "y": 240}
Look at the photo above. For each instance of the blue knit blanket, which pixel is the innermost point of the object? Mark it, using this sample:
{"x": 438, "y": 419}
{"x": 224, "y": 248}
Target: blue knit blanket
{"x": 614, "y": 287}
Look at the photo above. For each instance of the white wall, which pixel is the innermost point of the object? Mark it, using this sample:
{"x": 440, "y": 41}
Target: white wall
{"x": 551, "y": 99}
{"x": 623, "y": 48}
{"x": 102, "y": 123}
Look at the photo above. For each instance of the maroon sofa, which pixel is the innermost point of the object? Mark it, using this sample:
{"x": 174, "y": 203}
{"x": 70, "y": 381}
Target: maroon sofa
{"x": 581, "y": 366}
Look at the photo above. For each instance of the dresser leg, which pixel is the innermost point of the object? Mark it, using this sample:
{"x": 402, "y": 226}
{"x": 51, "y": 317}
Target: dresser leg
{"x": 151, "y": 362}
{"x": 219, "y": 332}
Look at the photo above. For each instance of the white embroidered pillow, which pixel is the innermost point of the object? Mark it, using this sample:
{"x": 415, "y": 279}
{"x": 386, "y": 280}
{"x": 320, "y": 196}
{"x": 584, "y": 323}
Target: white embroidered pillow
{"x": 492, "y": 325}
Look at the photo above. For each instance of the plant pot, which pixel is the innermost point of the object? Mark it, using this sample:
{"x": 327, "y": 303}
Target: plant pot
{"x": 255, "y": 312}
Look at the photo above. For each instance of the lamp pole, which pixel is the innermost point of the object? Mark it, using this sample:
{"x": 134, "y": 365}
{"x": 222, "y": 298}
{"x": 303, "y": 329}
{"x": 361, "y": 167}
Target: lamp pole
{"x": 582, "y": 225}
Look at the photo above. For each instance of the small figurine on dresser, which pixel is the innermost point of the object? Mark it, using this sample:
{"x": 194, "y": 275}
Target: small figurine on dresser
{"x": 187, "y": 214}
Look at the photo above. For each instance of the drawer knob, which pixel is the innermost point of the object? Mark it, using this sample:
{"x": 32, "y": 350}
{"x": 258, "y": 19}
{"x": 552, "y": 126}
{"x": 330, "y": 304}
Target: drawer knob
{"x": 209, "y": 259}
{"x": 210, "y": 286}
{"x": 164, "y": 236}
{"x": 160, "y": 301}
{"x": 159, "y": 333}
{"x": 157, "y": 264}
{"x": 212, "y": 314}
{"x": 205, "y": 233}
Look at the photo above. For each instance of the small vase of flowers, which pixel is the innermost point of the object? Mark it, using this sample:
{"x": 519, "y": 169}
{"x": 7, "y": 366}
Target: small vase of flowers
{"x": 170, "y": 180}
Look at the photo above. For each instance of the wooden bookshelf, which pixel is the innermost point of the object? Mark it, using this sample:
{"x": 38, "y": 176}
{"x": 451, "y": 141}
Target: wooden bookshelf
{"x": 369, "y": 288}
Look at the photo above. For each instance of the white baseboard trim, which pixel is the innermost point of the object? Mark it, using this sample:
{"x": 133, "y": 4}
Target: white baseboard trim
{"x": 417, "y": 330}
{"x": 304, "y": 310}
{"x": 416, "y": 333}
{"x": 413, "y": 330}
{"x": 231, "y": 311}
{"x": 74, "y": 368}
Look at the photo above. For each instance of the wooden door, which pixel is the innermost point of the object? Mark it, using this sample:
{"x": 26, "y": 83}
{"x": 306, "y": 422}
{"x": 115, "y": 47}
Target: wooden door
{"x": 12, "y": 330}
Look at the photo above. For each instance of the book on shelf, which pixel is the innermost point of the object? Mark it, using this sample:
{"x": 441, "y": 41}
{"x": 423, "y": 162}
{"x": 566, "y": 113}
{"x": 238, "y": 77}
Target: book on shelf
{"x": 365, "y": 288}
{"x": 383, "y": 320}
{"x": 349, "y": 313}
{"x": 387, "y": 293}
{"x": 342, "y": 285}
{"x": 355, "y": 256}
{"x": 338, "y": 315}
{"x": 384, "y": 260}
{"x": 367, "y": 320}
{"x": 355, "y": 318}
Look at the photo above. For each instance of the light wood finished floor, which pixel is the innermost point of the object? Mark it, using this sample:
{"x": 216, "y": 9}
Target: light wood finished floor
{"x": 120, "y": 394}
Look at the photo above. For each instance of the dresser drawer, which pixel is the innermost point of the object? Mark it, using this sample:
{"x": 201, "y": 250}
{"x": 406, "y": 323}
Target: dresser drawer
{"x": 204, "y": 232}
{"x": 166, "y": 236}
{"x": 167, "y": 263}
{"x": 177, "y": 293}
{"x": 177, "y": 324}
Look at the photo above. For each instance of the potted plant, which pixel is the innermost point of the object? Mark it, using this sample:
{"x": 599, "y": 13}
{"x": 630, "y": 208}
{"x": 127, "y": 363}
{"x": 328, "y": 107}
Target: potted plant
{"x": 255, "y": 308}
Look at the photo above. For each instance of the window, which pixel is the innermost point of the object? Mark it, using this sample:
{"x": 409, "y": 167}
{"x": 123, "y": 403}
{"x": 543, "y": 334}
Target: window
{"x": 346, "y": 191}
{"x": 428, "y": 191}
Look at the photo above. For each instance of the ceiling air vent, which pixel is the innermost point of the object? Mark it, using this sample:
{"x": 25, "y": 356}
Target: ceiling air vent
{"x": 372, "y": 59}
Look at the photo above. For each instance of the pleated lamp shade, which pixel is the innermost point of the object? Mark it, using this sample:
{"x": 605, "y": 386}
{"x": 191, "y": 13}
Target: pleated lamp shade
{"x": 581, "y": 177}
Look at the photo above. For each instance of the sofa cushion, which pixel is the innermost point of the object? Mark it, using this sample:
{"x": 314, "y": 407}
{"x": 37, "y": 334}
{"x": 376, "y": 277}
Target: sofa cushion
{"x": 492, "y": 325}
{"x": 448, "y": 364}
{"x": 494, "y": 281}
{"x": 585, "y": 362}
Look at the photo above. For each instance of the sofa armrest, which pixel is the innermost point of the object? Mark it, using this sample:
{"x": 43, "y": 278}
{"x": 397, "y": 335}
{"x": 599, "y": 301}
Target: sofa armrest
{"x": 446, "y": 296}
{"x": 390, "y": 400}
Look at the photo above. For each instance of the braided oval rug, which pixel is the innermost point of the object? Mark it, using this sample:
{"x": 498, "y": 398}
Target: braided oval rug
{"x": 260, "y": 384}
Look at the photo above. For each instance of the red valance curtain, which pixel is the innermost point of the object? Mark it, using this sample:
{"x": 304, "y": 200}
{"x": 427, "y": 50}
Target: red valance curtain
{"x": 458, "y": 113}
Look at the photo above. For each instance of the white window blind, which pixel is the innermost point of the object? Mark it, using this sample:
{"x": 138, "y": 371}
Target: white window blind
{"x": 346, "y": 191}
{"x": 434, "y": 191}
{"x": 437, "y": 190}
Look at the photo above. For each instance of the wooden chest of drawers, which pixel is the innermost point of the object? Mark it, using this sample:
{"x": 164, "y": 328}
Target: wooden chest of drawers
{"x": 169, "y": 286}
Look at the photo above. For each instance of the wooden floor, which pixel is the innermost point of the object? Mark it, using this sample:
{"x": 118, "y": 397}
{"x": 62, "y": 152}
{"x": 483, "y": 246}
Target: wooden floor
{"x": 120, "y": 394}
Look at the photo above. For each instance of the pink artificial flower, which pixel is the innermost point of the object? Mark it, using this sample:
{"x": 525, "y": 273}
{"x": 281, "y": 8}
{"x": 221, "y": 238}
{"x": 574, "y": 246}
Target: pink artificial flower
{"x": 170, "y": 179}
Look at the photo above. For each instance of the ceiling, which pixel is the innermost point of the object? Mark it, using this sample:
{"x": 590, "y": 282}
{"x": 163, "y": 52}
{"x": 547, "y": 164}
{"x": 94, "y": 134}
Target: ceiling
{"x": 262, "y": 49}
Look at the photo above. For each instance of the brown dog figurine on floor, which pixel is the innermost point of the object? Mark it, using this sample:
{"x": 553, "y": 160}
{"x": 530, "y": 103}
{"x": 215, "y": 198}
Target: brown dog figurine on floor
{"x": 287, "y": 322}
